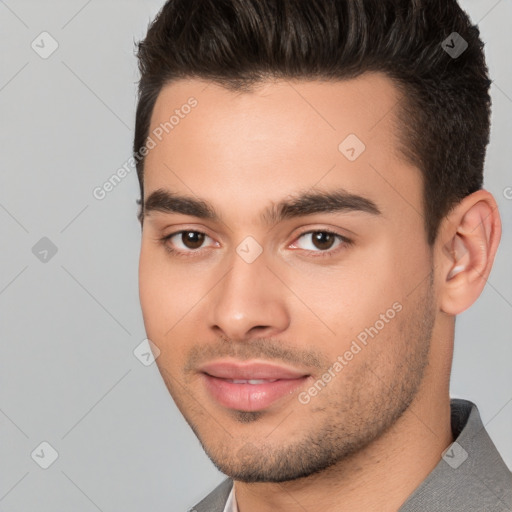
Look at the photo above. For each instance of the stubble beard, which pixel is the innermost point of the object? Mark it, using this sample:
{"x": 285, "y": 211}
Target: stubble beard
{"x": 344, "y": 421}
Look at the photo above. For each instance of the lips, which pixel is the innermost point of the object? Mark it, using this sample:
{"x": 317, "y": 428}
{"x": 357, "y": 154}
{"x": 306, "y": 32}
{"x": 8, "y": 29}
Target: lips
{"x": 247, "y": 371}
{"x": 250, "y": 381}
{"x": 249, "y": 386}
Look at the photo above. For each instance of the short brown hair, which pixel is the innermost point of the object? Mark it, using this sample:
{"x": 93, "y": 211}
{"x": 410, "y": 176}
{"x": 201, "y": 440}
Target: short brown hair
{"x": 444, "y": 117}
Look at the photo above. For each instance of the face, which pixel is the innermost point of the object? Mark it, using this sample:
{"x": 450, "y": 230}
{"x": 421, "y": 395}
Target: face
{"x": 284, "y": 271}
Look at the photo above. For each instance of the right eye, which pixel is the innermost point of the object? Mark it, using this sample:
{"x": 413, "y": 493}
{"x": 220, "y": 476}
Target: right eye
{"x": 185, "y": 242}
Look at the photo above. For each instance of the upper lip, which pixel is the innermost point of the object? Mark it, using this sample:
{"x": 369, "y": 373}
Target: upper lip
{"x": 249, "y": 370}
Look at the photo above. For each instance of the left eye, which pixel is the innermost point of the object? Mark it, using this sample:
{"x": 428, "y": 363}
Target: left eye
{"x": 320, "y": 240}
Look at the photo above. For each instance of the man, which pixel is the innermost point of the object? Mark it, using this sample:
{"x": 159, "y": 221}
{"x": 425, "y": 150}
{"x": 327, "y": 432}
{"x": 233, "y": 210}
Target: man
{"x": 313, "y": 221}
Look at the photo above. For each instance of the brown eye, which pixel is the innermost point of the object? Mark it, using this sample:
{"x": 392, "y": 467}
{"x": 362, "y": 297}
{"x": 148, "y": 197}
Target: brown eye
{"x": 192, "y": 239}
{"x": 323, "y": 240}
{"x": 319, "y": 241}
{"x": 185, "y": 242}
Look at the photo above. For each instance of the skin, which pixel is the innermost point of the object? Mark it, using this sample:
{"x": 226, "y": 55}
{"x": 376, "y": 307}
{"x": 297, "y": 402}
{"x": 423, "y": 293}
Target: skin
{"x": 375, "y": 431}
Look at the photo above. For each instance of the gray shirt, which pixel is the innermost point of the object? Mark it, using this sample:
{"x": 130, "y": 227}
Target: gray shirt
{"x": 470, "y": 477}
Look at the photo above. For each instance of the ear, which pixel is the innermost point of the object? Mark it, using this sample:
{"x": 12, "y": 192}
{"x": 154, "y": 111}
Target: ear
{"x": 468, "y": 240}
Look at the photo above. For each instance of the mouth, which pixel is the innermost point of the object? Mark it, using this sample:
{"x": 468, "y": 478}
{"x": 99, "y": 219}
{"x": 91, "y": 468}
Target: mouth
{"x": 250, "y": 386}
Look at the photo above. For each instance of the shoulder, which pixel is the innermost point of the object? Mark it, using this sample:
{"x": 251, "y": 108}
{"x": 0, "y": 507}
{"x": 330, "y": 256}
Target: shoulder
{"x": 216, "y": 500}
{"x": 471, "y": 475}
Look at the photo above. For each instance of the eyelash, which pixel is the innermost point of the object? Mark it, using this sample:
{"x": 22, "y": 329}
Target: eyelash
{"x": 314, "y": 254}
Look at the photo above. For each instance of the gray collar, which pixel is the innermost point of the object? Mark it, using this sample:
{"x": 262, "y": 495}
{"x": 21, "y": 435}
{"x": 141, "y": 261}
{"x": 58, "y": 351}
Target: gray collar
{"x": 470, "y": 477}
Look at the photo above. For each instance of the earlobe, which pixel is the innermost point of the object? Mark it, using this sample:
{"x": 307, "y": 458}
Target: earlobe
{"x": 473, "y": 230}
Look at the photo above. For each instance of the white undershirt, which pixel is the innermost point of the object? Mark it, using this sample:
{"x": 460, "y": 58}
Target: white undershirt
{"x": 231, "y": 502}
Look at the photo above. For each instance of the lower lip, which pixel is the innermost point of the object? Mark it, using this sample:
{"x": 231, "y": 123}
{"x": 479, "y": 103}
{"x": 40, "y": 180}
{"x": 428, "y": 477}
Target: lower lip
{"x": 250, "y": 397}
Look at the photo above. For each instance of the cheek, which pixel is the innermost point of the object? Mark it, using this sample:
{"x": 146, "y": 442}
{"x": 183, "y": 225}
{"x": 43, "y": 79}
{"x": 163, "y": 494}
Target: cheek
{"x": 168, "y": 293}
{"x": 154, "y": 291}
{"x": 158, "y": 302}
{"x": 350, "y": 299}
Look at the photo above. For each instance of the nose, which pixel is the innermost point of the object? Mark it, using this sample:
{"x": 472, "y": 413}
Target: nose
{"x": 249, "y": 302}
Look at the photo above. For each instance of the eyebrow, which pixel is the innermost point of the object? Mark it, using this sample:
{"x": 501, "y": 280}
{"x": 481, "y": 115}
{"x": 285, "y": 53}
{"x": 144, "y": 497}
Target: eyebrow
{"x": 298, "y": 205}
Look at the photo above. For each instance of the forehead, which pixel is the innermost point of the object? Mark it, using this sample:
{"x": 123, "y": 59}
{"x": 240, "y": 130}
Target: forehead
{"x": 281, "y": 136}
{"x": 330, "y": 108}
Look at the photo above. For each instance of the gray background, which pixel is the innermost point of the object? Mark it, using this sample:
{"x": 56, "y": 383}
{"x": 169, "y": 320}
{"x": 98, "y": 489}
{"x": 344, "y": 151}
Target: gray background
{"x": 69, "y": 325}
